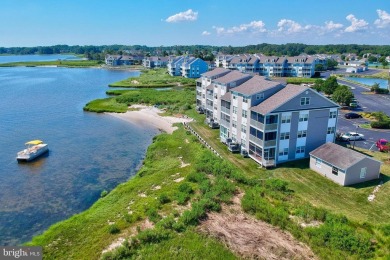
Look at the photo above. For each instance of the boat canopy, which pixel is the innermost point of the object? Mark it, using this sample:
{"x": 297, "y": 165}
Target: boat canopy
{"x": 34, "y": 142}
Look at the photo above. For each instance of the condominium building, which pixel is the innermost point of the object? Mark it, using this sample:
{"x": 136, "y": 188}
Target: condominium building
{"x": 271, "y": 66}
{"x": 274, "y": 123}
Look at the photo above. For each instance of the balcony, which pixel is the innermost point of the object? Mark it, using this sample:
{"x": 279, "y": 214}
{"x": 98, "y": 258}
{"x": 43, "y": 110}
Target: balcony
{"x": 225, "y": 110}
{"x": 225, "y": 123}
{"x": 256, "y": 140}
{"x": 209, "y": 107}
{"x": 269, "y": 143}
{"x": 199, "y": 88}
{"x": 269, "y": 127}
{"x": 257, "y": 124}
{"x": 209, "y": 96}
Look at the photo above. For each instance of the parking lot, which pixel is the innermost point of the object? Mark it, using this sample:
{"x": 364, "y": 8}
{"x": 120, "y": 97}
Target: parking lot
{"x": 368, "y": 103}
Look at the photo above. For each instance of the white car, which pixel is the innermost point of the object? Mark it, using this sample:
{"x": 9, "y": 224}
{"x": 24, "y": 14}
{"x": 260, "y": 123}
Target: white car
{"x": 351, "y": 136}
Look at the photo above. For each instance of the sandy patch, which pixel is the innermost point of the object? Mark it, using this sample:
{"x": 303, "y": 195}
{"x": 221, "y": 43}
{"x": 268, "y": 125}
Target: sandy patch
{"x": 135, "y": 82}
{"x": 142, "y": 195}
{"x": 147, "y": 115}
{"x": 179, "y": 179}
{"x": 252, "y": 238}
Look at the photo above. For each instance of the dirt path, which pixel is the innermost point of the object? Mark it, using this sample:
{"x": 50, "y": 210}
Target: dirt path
{"x": 251, "y": 238}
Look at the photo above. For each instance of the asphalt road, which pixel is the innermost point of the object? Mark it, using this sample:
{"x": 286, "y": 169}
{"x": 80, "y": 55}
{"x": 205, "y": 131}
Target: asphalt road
{"x": 367, "y": 103}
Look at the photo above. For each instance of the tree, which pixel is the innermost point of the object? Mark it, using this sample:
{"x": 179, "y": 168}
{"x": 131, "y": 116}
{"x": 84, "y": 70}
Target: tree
{"x": 342, "y": 95}
{"x": 331, "y": 63}
{"x": 329, "y": 85}
{"x": 372, "y": 59}
{"x": 318, "y": 85}
{"x": 319, "y": 67}
{"x": 385, "y": 63}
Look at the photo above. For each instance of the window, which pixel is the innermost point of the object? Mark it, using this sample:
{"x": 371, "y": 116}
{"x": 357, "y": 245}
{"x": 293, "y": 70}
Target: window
{"x": 234, "y": 110}
{"x": 302, "y": 133}
{"x": 305, "y": 101}
{"x": 318, "y": 163}
{"x": 244, "y": 113}
{"x": 245, "y": 100}
{"x": 234, "y": 137}
{"x": 331, "y": 130}
{"x": 284, "y": 136}
{"x": 260, "y": 96}
{"x": 243, "y": 128}
{"x": 234, "y": 123}
{"x": 335, "y": 170}
{"x": 234, "y": 97}
{"x": 332, "y": 114}
{"x": 300, "y": 149}
{"x": 283, "y": 152}
{"x": 286, "y": 119}
{"x": 363, "y": 172}
{"x": 303, "y": 117}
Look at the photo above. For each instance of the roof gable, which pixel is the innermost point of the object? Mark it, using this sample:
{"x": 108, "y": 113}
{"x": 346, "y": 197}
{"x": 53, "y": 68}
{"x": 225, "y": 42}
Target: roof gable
{"x": 255, "y": 85}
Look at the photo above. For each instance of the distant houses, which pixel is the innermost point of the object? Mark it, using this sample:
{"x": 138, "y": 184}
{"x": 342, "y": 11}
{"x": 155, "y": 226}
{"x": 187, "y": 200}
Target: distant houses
{"x": 270, "y": 121}
{"x": 271, "y": 66}
{"x": 122, "y": 60}
{"x": 188, "y": 67}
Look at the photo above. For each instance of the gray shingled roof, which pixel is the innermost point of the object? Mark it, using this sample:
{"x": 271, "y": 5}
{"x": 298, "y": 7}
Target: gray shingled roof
{"x": 255, "y": 85}
{"x": 338, "y": 156}
{"x": 215, "y": 72}
{"x": 230, "y": 77}
{"x": 278, "y": 99}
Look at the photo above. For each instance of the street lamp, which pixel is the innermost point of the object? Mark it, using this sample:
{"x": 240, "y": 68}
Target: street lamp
{"x": 354, "y": 140}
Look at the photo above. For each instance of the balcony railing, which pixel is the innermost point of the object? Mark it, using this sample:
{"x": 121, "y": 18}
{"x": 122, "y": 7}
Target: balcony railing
{"x": 271, "y": 126}
{"x": 210, "y": 96}
{"x": 257, "y": 124}
{"x": 225, "y": 110}
{"x": 209, "y": 107}
{"x": 269, "y": 143}
{"x": 256, "y": 140}
{"x": 225, "y": 123}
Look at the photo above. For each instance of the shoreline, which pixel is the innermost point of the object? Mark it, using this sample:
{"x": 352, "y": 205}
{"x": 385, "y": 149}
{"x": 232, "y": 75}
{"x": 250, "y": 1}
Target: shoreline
{"x": 150, "y": 116}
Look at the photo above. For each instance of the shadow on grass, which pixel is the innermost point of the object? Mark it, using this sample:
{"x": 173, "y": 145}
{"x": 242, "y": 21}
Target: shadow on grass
{"x": 382, "y": 179}
{"x": 297, "y": 164}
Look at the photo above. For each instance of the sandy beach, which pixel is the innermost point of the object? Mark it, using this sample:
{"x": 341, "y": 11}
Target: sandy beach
{"x": 148, "y": 115}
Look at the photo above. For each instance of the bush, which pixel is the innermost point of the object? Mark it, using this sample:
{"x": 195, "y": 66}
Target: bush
{"x": 163, "y": 199}
{"x": 113, "y": 229}
{"x": 380, "y": 124}
{"x": 103, "y": 194}
{"x": 153, "y": 215}
{"x": 185, "y": 188}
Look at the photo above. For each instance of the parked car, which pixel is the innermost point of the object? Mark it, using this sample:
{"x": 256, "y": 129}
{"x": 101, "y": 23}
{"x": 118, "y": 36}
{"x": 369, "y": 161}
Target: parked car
{"x": 352, "y": 115}
{"x": 382, "y": 145}
{"x": 353, "y": 104}
{"x": 351, "y": 136}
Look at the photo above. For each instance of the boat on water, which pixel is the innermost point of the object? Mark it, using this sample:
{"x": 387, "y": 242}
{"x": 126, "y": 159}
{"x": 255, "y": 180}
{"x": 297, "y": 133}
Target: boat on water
{"x": 34, "y": 149}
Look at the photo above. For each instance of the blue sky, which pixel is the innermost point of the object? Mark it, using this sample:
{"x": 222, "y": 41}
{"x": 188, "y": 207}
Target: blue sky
{"x": 184, "y": 22}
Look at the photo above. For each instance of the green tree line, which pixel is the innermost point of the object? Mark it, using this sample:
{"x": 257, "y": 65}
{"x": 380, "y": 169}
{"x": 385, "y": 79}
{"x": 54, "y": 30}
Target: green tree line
{"x": 203, "y": 51}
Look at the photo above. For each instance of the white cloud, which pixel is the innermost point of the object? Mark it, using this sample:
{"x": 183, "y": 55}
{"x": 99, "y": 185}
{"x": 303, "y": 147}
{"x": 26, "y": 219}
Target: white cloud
{"x": 331, "y": 26}
{"x": 254, "y": 26}
{"x": 356, "y": 24}
{"x": 188, "y": 15}
{"x": 384, "y": 19}
{"x": 206, "y": 33}
{"x": 290, "y": 26}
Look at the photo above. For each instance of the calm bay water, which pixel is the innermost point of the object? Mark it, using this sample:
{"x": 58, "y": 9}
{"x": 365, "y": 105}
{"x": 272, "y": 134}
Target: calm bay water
{"x": 89, "y": 152}
{"x": 369, "y": 81}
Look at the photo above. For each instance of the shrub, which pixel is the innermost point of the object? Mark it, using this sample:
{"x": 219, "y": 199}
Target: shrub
{"x": 153, "y": 215}
{"x": 163, "y": 199}
{"x": 113, "y": 229}
{"x": 185, "y": 188}
{"x": 155, "y": 235}
{"x": 182, "y": 198}
{"x": 103, "y": 194}
{"x": 380, "y": 124}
